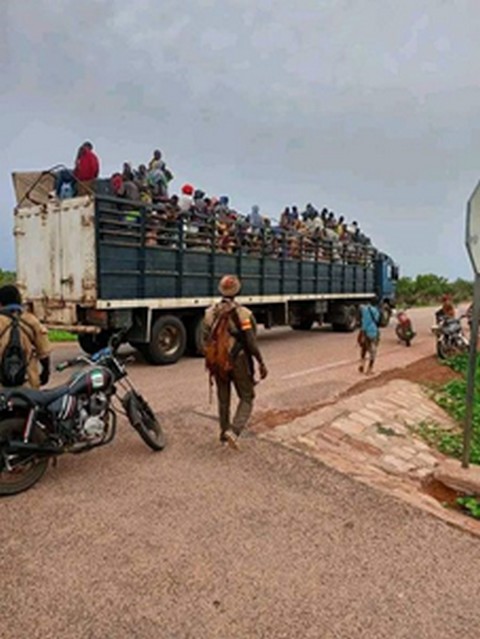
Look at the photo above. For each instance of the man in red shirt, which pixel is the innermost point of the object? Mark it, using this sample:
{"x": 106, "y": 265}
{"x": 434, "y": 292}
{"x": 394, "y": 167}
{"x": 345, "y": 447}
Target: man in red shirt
{"x": 87, "y": 166}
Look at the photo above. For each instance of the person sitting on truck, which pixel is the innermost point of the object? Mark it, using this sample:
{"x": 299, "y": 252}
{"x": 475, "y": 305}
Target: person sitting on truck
{"x": 157, "y": 166}
{"x": 87, "y": 165}
{"x": 65, "y": 184}
{"x": 127, "y": 172}
{"x": 185, "y": 201}
{"x": 33, "y": 337}
{"x": 141, "y": 181}
{"x": 126, "y": 189}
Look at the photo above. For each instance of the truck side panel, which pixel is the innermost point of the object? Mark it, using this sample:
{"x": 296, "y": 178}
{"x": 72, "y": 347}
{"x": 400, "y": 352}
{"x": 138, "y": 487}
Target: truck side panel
{"x": 179, "y": 265}
{"x": 121, "y": 277}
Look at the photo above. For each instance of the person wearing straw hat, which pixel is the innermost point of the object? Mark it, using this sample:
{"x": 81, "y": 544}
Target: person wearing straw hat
{"x": 230, "y": 346}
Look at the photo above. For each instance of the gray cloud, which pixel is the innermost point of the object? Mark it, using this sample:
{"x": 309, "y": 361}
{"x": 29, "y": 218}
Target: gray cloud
{"x": 369, "y": 107}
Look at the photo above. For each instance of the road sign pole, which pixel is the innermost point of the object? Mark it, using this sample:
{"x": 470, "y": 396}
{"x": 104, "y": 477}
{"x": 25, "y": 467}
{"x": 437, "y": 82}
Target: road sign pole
{"x": 472, "y": 365}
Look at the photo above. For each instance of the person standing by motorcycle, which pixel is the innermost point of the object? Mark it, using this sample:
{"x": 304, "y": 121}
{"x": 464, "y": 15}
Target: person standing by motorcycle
{"x": 33, "y": 336}
{"x": 369, "y": 335}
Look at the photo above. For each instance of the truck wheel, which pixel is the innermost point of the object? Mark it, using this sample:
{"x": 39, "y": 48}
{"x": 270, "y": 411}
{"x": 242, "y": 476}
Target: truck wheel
{"x": 303, "y": 325}
{"x": 385, "y": 314}
{"x": 195, "y": 336}
{"x": 350, "y": 321}
{"x": 168, "y": 342}
{"x": 91, "y": 343}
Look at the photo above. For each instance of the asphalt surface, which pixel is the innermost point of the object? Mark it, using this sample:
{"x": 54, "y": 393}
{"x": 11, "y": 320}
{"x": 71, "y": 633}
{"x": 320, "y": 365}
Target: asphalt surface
{"x": 202, "y": 542}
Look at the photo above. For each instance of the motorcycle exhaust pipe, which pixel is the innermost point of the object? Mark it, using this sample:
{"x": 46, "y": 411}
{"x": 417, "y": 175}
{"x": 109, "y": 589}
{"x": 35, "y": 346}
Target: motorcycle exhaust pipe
{"x": 15, "y": 447}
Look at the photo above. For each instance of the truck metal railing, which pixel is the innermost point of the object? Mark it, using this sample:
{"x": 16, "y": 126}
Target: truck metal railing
{"x": 158, "y": 226}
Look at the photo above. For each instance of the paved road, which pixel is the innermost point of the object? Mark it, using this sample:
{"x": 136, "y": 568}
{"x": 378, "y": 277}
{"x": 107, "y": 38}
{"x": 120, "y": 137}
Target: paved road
{"x": 305, "y": 368}
{"x": 201, "y": 542}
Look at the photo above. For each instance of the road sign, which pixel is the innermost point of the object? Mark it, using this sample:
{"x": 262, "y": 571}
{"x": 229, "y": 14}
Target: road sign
{"x": 472, "y": 365}
{"x": 473, "y": 249}
{"x": 473, "y": 229}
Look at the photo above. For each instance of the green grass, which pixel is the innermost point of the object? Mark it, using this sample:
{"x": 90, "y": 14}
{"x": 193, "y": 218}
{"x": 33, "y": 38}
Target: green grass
{"x": 61, "y": 336}
{"x": 452, "y": 399}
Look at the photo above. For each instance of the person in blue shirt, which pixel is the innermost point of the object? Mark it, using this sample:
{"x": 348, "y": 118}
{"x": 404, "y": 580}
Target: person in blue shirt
{"x": 369, "y": 335}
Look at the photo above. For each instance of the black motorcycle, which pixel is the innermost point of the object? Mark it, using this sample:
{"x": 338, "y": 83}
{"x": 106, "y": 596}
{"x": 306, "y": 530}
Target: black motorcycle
{"x": 450, "y": 339}
{"x": 36, "y": 426}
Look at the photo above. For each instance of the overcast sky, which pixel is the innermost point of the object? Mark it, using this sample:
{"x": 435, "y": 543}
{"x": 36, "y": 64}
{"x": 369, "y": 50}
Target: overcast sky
{"x": 369, "y": 107}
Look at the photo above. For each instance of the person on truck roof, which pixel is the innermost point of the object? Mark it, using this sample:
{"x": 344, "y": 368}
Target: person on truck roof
{"x": 87, "y": 165}
{"x": 33, "y": 337}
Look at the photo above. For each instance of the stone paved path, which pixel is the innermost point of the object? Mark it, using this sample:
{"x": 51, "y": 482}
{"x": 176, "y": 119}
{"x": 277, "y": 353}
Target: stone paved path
{"x": 369, "y": 436}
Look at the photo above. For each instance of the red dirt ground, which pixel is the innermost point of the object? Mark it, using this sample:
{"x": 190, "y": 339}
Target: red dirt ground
{"x": 427, "y": 371}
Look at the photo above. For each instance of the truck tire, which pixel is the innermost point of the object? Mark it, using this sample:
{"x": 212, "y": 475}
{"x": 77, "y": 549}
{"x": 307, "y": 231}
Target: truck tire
{"x": 195, "y": 336}
{"x": 385, "y": 314}
{"x": 303, "y": 325}
{"x": 168, "y": 342}
{"x": 91, "y": 343}
{"x": 350, "y": 322}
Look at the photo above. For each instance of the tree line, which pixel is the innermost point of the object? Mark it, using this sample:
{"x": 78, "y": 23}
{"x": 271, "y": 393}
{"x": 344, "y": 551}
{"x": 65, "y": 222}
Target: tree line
{"x": 427, "y": 290}
{"x": 6, "y": 277}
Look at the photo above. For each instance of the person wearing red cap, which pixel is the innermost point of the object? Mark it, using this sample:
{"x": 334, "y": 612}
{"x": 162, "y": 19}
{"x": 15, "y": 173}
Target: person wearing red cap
{"x": 185, "y": 201}
{"x": 238, "y": 367}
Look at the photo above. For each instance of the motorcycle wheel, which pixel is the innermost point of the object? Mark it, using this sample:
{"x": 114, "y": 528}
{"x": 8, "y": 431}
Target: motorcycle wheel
{"x": 463, "y": 346}
{"x": 446, "y": 350}
{"x": 24, "y": 476}
{"x": 143, "y": 420}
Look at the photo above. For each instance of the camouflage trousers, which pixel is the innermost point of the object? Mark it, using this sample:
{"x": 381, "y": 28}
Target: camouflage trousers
{"x": 242, "y": 380}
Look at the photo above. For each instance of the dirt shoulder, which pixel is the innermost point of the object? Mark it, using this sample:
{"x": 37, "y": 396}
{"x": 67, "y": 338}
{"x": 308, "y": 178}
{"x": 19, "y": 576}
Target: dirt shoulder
{"x": 427, "y": 371}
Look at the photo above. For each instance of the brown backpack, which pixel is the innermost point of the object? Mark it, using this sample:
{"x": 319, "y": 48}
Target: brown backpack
{"x": 218, "y": 359}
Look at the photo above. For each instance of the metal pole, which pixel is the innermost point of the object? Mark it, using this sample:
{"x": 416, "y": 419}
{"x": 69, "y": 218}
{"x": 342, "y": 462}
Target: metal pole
{"x": 472, "y": 364}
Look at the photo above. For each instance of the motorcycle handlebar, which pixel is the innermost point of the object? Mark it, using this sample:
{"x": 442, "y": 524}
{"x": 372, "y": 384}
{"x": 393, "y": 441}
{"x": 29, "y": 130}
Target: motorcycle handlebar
{"x": 72, "y": 362}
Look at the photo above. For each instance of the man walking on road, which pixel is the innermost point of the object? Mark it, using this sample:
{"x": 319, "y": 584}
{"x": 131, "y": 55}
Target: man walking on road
{"x": 230, "y": 345}
{"x": 369, "y": 335}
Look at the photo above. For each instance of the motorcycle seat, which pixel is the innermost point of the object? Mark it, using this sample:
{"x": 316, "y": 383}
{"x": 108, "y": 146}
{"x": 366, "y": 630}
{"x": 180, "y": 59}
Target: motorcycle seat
{"x": 32, "y": 396}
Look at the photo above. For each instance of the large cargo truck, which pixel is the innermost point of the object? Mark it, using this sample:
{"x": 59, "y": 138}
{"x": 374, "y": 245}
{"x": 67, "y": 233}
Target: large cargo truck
{"x": 96, "y": 264}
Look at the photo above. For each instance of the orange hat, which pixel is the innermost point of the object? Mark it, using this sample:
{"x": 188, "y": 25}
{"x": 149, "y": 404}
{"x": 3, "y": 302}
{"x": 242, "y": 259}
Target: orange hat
{"x": 229, "y": 286}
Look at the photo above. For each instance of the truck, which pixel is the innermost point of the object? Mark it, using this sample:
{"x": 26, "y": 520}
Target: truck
{"x": 97, "y": 264}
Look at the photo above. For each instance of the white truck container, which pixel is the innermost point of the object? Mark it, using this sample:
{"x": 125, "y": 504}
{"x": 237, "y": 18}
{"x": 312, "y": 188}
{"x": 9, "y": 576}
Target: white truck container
{"x": 56, "y": 259}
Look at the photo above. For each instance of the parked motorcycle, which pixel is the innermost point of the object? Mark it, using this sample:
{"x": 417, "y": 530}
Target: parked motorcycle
{"x": 450, "y": 339}
{"x": 404, "y": 329}
{"x": 36, "y": 426}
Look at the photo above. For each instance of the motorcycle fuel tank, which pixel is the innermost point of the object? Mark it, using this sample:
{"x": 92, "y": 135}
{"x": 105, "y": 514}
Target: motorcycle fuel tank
{"x": 91, "y": 381}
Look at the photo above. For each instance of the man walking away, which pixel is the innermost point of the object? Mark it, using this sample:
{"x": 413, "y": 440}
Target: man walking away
{"x": 369, "y": 335}
{"x": 24, "y": 343}
{"x": 230, "y": 346}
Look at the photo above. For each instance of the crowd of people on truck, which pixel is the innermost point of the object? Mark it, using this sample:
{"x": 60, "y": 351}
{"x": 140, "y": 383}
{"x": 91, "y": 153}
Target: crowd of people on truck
{"x": 309, "y": 234}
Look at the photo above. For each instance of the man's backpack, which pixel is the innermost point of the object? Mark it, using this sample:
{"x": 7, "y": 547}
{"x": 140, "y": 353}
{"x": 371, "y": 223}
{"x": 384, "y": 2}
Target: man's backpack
{"x": 216, "y": 348}
{"x": 13, "y": 364}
